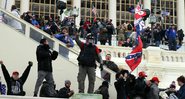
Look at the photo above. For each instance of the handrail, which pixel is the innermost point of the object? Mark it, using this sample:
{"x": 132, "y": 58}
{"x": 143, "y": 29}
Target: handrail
{"x": 56, "y": 42}
{"x": 38, "y": 30}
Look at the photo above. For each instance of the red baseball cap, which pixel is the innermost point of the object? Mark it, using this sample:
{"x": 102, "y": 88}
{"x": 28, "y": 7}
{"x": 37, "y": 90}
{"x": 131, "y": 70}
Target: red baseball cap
{"x": 15, "y": 73}
{"x": 142, "y": 74}
{"x": 155, "y": 79}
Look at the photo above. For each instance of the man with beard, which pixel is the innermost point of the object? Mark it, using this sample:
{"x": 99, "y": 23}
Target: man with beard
{"x": 66, "y": 92}
{"x": 87, "y": 62}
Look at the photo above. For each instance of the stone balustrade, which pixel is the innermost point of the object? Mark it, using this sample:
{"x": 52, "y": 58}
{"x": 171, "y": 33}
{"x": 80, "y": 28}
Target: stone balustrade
{"x": 169, "y": 56}
{"x": 117, "y": 52}
{"x": 163, "y": 56}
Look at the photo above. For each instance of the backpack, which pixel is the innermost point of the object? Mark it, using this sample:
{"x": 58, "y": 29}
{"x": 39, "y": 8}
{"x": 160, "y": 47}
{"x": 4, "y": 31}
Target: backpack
{"x": 87, "y": 56}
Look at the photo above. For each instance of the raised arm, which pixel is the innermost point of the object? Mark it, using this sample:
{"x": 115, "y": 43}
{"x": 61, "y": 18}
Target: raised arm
{"x": 5, "y": 72}
{"x": 79, "y": 43}
{"x": 26, "y": 72}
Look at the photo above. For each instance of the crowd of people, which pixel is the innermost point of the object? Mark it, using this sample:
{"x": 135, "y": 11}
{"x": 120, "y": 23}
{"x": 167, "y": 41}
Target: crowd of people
{"x": 103, "y": 29}
{"x": 154, "y": 36}
{"x": 126, "y": 84}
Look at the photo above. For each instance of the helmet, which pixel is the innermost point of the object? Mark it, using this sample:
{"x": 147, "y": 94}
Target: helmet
{"x": 89, "y": 36}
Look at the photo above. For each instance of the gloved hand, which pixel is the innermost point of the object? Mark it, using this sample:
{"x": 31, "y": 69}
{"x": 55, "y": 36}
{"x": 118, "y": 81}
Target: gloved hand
{"x": 101, "y": 67}
{"x": 30, "y": 63}
{"x": 1, "y": 62}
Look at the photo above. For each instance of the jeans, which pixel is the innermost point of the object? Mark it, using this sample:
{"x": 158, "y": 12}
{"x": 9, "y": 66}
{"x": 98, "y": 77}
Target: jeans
{"x": 41, "y": 76}
{"x": 172, "y": 44}
{"x": 109, "y": 36}
{"x": 157, "y": 43}
{"x": 83, "y": 71}
{"x": 95, "y": 38}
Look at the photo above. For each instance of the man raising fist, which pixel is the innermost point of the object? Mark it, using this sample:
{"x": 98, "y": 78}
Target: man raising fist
{"x": 15, "y": 83}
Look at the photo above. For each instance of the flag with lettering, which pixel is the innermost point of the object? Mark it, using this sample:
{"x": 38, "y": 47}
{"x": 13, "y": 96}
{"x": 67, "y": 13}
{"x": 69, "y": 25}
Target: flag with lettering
{"x": 134, "y": 58}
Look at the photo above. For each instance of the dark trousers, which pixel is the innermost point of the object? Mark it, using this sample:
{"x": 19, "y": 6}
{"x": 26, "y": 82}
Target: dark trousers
{"x": 103, "y": 42}
{"x": 180, "y": 42}
{"x": 109, "y": 36}
{"x": 83, "y": 71}
{"x": 172, "y": 44}
{"x": 41, "y": 76}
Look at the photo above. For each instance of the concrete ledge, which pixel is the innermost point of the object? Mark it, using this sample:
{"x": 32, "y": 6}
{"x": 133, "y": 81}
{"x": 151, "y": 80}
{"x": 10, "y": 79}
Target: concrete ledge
{"x": 76, "y": 96}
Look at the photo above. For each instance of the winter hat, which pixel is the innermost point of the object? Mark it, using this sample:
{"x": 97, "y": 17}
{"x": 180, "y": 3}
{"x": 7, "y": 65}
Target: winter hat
{"x": 142, "y": 74}
{"x": 67, "y": 82}
{"x": 173, "y": 85}
{"x": 15, "y": 73}
{"x": 124, "y": 71}
{"x": 155, "y": 79}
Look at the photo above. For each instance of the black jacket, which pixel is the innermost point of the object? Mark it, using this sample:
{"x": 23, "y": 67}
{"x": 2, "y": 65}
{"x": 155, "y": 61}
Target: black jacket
{"x": 63, "y": 93}
{"x": 181, "y": 92}
{"x": 104, "y": 92}
{"x": 48, "y": 90}
{"x": 111, "y": 65}
{"x": 28, "y": 19}
{"x": 15, "y": 87}
{"x": 45, "y": 57}
{"x": 120, "y": 86}
{"x": 140, "y": 87}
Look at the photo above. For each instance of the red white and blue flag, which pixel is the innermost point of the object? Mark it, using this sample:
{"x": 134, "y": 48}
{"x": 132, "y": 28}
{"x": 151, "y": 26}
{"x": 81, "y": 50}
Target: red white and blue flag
{"x": 135, "y": 57}
{"x": 139, "y": 13}
{"x": 94, "y": 11}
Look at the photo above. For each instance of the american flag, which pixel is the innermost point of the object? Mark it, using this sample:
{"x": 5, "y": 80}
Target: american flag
{"x": 139, "y": 13}
{"x": 94, "y": 10}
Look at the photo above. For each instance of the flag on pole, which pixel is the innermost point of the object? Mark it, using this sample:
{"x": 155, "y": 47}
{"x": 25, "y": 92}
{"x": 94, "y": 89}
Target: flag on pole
{"x": 165, "y": 13}
{"x": 135, "y": 57}
{"x": 139, "y": 13}
{"x": 94, "y": 11}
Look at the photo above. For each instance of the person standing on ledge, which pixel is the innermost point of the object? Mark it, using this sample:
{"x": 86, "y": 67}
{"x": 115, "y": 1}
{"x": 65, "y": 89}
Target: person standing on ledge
{"x": 44, "y": 58}
{"x": 14, "y": 83}
{"x": 89, "y": 54}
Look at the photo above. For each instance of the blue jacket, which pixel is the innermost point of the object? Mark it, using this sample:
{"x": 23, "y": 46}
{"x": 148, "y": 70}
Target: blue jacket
{"x": 65, "y": 39}
{"x": 181, "y": 92}
{"x": 171, "y": 33}
{"x": 34, "y": 22}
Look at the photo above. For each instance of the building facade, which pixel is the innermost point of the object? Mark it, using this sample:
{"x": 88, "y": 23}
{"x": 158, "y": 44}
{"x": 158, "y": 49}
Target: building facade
{"x": 107, "y": 9}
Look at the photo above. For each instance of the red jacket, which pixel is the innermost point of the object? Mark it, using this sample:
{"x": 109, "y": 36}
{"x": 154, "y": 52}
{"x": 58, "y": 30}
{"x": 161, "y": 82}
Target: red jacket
{"x": 86, "y": 24}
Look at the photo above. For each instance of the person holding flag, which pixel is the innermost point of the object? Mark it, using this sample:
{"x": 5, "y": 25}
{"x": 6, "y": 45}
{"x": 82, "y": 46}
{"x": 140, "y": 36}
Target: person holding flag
{"x": 134, "y": 58}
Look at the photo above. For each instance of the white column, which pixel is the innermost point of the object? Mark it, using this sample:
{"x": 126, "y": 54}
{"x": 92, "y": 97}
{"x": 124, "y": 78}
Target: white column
{"x": 1, "y": 3}
{"x": 112, "y": 11}
{"x": 180, "y": 15}
{"x": 24, "y": 7}
{"x": 147, "y": 5}
{"x": 8, "y": 4}
{"x": 77, "y": 3}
